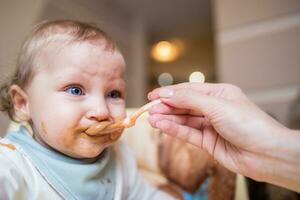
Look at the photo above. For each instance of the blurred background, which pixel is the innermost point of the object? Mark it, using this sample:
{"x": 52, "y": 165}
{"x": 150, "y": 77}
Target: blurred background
{"x": 253, "y": 44}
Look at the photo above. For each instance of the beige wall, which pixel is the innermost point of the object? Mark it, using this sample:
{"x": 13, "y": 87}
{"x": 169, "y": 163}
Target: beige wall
{"x": 258, "y": 47}
{"x": 12, "y": 34}
{"x": 237, "y": 13}
{"x": 17, "y": 18}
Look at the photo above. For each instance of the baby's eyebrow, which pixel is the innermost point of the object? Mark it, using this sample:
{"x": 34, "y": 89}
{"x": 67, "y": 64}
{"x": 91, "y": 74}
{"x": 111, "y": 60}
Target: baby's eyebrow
{"x": 70, "y": 75}
{"x": 70, "y": 79}
{"x": 118, "y": 83}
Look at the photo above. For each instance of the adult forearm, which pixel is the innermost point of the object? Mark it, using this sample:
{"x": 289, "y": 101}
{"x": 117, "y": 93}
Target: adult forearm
{"x": 286, "y": 161}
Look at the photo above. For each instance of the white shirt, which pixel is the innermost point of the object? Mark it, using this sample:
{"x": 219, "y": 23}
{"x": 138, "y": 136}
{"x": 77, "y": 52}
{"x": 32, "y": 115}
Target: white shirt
{"x": 20, "y": 179}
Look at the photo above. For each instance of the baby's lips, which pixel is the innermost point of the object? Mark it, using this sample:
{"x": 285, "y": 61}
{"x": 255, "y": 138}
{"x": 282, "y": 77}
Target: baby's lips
{"x": 95, "y": 129}
{"x": 105, "y": 127}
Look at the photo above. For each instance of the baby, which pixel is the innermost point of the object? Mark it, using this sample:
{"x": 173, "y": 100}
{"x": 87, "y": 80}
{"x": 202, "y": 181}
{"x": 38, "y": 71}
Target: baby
{"x": 69, "y": 77}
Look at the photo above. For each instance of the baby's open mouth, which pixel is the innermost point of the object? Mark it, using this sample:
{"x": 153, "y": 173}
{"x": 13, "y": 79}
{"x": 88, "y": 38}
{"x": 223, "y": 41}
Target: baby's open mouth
{"x": 107, "y": 127}
{"x": 104, "y": 128}
{"x": 103, "y": 137}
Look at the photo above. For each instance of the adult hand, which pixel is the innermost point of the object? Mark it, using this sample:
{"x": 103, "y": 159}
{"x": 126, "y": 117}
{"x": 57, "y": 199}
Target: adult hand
{"x": 220, "y": 119}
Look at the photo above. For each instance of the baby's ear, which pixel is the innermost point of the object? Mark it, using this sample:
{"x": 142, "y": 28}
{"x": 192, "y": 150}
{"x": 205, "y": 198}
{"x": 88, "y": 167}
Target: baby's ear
{"x": 20, "y": 102}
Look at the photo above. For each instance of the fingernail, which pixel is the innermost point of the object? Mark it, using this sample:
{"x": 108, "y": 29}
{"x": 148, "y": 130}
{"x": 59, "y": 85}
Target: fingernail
{"x": 166, "y": 93}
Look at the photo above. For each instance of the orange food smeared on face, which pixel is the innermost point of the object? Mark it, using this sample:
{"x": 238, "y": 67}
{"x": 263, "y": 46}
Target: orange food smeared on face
{"x": 94, "y": 130}
{"x": 105, "y": 132}
{"x": 105, "y": 127}
{"x": 10, "y": 146}
{"x": 44, "y": 128}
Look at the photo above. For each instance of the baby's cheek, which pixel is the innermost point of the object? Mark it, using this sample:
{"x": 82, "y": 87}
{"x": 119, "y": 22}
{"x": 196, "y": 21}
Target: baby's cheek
{"x": 70, "y": 144}
{"x": 65, "y": 139}
{"x": 118, "y": 112}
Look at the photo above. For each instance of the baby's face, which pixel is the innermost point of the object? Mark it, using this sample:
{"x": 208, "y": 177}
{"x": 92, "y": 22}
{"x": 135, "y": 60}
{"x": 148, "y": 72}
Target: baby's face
{"x": 73, "y": 88}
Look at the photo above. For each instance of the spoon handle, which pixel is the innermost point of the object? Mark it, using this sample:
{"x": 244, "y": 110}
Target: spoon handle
{"x": 130, "y": 121}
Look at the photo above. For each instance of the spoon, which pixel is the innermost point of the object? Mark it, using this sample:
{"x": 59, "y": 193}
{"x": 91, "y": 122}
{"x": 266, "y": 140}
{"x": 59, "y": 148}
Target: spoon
{"x": 108, "y": 127}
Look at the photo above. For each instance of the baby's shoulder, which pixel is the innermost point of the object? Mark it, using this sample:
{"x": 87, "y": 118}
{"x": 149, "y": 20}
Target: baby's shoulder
{"x": 10, "y": 155}
{"x": 7, "y": 148}
{"x": 18, "y": 175}
{"x": 11, "y": 163}
{"x": 14, "y": 163}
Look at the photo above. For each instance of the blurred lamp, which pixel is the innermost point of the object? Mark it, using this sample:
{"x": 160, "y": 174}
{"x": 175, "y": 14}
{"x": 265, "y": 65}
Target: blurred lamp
{"x": 165, "y": 79}
{"x": 164, "y": 51}
{"x": 197, "y": 77}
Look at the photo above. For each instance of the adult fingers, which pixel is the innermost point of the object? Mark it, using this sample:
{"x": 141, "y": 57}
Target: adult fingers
{"x": 166, "y": 109}
{"x": 195, "y": 101}
{"x": 185, "y": 133}
{"x": 187, "y": 120}
{"x": 207, "y": 139}
{"x": 211, "y": 89}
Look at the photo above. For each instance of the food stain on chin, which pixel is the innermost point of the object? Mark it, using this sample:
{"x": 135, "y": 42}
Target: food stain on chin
{"x": 96, "y": 139}
{"x": 10, "y": 146}
{"x": 115, "y": 136}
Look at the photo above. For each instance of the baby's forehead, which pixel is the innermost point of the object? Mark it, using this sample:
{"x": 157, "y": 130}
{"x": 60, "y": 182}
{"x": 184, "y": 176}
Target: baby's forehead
{"x": 62, "y": 44}
{"x": 83, "y": 59}
{"x": 78, "y": 53}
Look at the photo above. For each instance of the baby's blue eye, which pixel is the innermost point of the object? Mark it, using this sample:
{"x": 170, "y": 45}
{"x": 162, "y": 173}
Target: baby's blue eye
{"x": 74, "y": 90}
{"x": 115, "y": 94}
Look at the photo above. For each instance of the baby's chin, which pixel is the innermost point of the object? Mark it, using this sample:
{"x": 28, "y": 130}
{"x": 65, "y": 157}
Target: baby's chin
{"x": 91, "y": 147}
{"x": 88, "y": 152}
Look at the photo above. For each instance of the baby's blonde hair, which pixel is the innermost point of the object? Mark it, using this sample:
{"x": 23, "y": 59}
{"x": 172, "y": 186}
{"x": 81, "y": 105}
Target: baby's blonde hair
{"x": 67, "y": 31}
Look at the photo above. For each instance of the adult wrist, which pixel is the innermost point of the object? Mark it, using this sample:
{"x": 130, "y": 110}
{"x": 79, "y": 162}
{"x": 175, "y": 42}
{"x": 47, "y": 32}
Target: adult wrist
{"x": 285, "y": 160}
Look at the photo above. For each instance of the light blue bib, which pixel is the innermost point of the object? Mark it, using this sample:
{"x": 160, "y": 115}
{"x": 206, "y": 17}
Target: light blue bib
{"x": 72, "y": 178}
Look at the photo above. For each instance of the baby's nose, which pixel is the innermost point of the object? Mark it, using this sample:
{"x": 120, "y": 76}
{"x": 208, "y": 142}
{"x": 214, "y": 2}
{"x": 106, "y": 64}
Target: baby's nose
{"x": 98, "y": 111}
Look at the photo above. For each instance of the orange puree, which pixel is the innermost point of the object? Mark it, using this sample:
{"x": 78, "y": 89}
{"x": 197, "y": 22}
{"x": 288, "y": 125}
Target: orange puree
{"x": 10, "y": 146}
{"x": 104, "y": 128}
